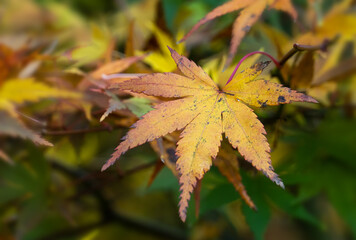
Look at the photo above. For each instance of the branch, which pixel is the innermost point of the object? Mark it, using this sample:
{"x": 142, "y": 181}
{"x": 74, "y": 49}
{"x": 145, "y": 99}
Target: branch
{"x": 109, "y": 215}
{"x": 77, "y": 131}
{"x": 299, "y": 48}
{"x": 156, "y": 229}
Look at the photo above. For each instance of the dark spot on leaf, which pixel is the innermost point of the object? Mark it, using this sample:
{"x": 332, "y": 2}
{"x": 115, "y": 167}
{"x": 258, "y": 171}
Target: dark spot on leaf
{"x": 262, "y": 65}
{"x": 281, "y": 99}
{"x": 263, "y": 104}
{"x": 246, "y": 28}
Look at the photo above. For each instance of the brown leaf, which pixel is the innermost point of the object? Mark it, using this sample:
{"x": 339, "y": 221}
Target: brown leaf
{"x": 302, "y": 74}
{"x": 115, "y": 66}
{"x": 229, "y": 167}
{"x": 5, "y": 157}
{"x": 15, "y": 128}
{"x": 342, "y": 70}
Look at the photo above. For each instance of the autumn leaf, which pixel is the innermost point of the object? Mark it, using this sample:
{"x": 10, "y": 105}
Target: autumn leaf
{"x": 5, "y": 157}
{"x": 228, "y": 165}
{"x": 138, "y": 106}
{"x": 204, "y": 111}
{"x": 134, "y": 13}
{"x": 115, "y": 66}
{"x": 161, "y": 60}
{"x": 338, "y": 22}
{"x": 14, "y": 127}
{"x": 18, "y": 91}
{"x": 114, "y": 104}
{"x": 93, "y": 50}
{"x": 252, "y": 10}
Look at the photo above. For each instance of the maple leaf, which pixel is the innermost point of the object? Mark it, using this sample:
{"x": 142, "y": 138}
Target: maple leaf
{"x": 5, "y": 157}
{"x": 205, "y": 112}
{"x": 15, "y": 92}
{"x": 18, "y": 91}
{"x": 14, "y": 127}
{"x": 252, "y": 10}
{"x": 228, "y": 165}
{"x": 161, "y": 60}
{"x": 338, "y": 22}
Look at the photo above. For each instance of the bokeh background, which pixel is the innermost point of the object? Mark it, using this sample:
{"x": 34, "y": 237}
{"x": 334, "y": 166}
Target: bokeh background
{"x": 52, "y": 48}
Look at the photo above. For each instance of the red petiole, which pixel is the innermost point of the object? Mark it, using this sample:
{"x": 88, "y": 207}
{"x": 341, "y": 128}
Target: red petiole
{"x": 248, "y": 55}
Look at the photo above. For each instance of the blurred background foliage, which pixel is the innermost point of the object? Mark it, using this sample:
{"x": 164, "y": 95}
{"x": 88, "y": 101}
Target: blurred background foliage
{"x": 51, "y": 92}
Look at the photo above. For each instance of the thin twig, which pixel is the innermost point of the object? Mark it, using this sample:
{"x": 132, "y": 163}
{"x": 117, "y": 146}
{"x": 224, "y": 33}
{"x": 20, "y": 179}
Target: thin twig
{"x": 138, "y": 168}
{"x": 44, "y": 124}
{"x": 76, "y": 131}
{"x": 299, "y": 47}
{"x": 109, "y": 215}
{"x": 277, "y": 73}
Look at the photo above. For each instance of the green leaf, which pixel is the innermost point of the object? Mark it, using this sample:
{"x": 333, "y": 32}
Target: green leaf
{"x": 138, "y": 106}
{"x": 27, "y": 183}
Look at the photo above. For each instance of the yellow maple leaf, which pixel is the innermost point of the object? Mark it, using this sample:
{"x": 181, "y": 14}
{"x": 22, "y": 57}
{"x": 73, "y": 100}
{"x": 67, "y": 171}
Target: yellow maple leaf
{"x": 134, "y": 13}
{"x": 252, "y": 10}
{"x": 337, "y": 22}
{"x": 161, "y": 60}
{"x": 94, "y": 50}
{"x": 205, "y": 112}
{"x": 17, "y": 91}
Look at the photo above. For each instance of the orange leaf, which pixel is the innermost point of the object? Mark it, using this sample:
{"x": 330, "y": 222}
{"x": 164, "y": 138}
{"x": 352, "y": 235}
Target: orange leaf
{"x": 5, "y": 157}
{"x": 286, "y": 6}
{"x": 229, "y": 167}
{"x": 158, "y": 167}
{"x": 115, "y": 66}
{"x": 252, "y": 10}
{"x": 228, "y": 7}
{"x": 242, "y": 26}
{"x": 205, "y": 112}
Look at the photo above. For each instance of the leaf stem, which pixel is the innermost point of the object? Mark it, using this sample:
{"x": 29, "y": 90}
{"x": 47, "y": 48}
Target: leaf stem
{"x": 248, "y": 55}
{"x": 296, "y": 48}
